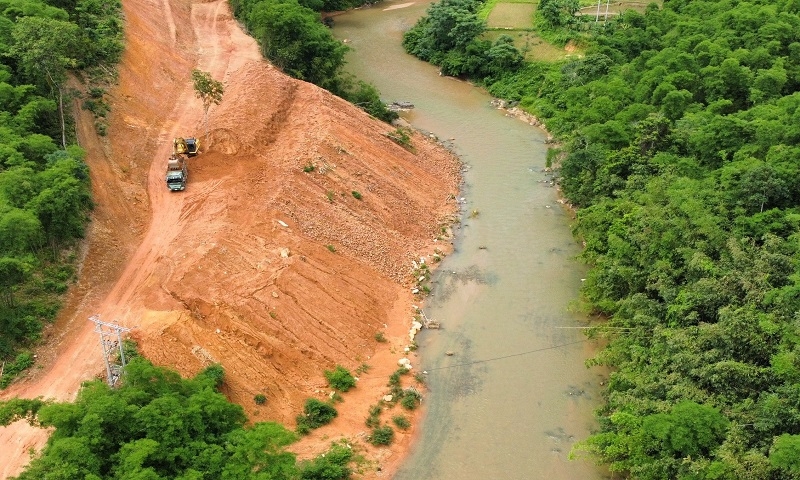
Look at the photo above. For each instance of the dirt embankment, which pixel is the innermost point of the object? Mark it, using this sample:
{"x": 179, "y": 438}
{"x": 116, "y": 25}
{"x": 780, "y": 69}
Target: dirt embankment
{"x": 275, "y": 272}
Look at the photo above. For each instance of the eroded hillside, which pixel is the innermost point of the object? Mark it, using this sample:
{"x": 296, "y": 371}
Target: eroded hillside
{"x": 272, "y": 268}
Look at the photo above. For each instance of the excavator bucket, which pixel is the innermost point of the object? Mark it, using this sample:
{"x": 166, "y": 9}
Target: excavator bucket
{"x": 179, "y": 146}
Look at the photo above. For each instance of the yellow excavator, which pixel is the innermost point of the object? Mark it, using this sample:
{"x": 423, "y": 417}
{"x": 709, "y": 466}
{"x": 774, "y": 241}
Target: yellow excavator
{"x": 188, "y": 146}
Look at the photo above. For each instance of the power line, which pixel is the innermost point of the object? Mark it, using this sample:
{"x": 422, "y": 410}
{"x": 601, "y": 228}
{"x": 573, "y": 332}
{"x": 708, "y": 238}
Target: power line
{"x": 508, "y": 356}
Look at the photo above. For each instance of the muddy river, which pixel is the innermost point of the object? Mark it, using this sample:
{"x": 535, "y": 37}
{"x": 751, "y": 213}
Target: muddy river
{"x": 509, "y": 391}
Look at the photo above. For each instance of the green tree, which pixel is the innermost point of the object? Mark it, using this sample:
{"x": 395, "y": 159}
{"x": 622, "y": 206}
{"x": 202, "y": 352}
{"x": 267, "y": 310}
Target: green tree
{"x": 689, "y": 429}
{"x": 209, "y": 91}
{"x": 294, "y": 40}
{"x": 558, "y": 13}
{"x": 47, "y": 48}
{"x": 785, "y": 453}
{"x": 13, "y": 272}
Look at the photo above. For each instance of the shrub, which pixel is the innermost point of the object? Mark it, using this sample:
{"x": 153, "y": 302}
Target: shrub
{"x": 380, "y": 337}
{"x": 24, "y": 360}
{"x": 309, "y": 168}
{"x": 381, "y": 435}
{"x": 363, "y": 368}
{"x": 374, "y": 418}
{"x": 356, "y": 195}
{"x": 330, "y": 466}
{"x": 340, "y": 378}
{"x": 315, "y": 414}
{"x": 260, "y": 399}
{"x": 410, "y": 399}
{"x": 215, "y": 373}
{"x": 394, "y": 379}
{"x": 401, "y": 422}
{"x": 331, "y": 248}
{"x": 401, "y": 137}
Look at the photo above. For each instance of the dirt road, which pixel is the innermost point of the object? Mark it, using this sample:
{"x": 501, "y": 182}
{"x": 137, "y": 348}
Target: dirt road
{"x": 275, "y": 272}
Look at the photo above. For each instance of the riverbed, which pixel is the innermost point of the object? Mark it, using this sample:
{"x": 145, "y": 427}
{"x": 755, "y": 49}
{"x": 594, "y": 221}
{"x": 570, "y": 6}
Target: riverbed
{"x": 509, "y": 393}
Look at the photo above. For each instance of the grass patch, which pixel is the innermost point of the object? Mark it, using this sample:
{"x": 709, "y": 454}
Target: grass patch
{"x": 362, "y": 369}
{"x": 514, "y": 16}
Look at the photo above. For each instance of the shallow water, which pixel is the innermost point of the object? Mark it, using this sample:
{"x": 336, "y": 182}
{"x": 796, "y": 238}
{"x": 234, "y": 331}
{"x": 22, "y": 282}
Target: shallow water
{"x": 515, "y": 395}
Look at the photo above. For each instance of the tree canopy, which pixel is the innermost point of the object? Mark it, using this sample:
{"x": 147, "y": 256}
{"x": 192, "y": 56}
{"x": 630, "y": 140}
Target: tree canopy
{"x": 158, "y": 425}
{"x": 44, "y": 182}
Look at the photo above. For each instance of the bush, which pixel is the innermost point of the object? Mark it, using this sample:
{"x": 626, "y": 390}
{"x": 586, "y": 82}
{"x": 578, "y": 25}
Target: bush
{"x": 18, "y": 408}
{"x": 24, "y": 360}
{"x": 401, "y": 422}
{"x": 356, "y": 195}
{"x": 215, "y": 373}
{"x": 410, "y": 399}
{"x": 374, "y": 418}
{"x": 330, "y": 466}
{"x": 260, "y": 399}
{"x": 316, "y": 414}
{"x": 381, "y": 435}
{"x": 340, "y": 378}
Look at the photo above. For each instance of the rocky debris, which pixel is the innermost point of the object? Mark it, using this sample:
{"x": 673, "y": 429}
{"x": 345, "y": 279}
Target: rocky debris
{"x": 400, "y": 106}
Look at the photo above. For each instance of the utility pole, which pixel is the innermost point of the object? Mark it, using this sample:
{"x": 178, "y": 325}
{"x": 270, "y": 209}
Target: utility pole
{"x": 111, "y": 346}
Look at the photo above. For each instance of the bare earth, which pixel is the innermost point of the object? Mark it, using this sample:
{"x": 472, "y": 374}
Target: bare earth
{"x": 237, "y": 268}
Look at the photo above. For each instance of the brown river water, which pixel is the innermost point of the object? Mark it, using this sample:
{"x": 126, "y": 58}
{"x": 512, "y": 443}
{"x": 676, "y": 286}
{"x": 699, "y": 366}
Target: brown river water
{"x": 515, "y": 394}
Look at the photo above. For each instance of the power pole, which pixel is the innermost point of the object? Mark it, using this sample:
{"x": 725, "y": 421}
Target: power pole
{"x": 111, "y": 345}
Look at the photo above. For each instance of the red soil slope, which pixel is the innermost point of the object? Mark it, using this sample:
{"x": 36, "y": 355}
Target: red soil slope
{"x": 238, "y": 269}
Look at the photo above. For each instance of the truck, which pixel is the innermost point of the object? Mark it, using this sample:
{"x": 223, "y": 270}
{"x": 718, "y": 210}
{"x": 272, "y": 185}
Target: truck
{"x": 188, "y": 146}
{"x": 177, "y": 173}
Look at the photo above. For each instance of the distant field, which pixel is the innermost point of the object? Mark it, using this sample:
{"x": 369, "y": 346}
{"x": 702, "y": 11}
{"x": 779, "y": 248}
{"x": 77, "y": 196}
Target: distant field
{"x": 515, "y": 19}
{"x": 511, "y": 15}
{"x": 528, "y": 42}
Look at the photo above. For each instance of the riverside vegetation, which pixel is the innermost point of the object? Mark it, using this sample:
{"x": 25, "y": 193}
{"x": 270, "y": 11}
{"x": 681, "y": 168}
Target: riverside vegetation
{"x": 681, "y": 126}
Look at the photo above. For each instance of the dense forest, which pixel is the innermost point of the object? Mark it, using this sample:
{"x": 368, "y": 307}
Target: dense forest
{"x": 44, "y": 183}
{"x": 680, "y": 127}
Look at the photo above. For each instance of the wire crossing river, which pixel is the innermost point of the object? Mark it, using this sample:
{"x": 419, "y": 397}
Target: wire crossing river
{"x": 515, "y": 395}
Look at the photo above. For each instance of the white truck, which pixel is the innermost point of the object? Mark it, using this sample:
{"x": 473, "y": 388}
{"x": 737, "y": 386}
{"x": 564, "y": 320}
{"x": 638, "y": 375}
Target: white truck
{"x": 177, "y": 173}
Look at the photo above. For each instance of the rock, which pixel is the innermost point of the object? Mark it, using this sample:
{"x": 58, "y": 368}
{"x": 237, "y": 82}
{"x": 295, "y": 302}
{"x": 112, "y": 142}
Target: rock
{"x": 449, "y": 353}
{"x": 387, "y": 398}
{"x": 284, "y": 253}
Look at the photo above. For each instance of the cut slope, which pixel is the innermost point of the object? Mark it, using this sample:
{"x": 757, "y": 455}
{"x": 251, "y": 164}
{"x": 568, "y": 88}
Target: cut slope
{"x": 237, "y": 269}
